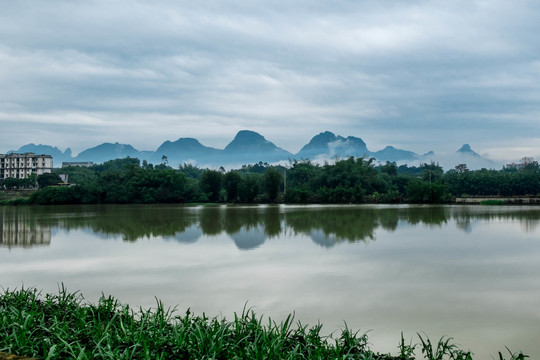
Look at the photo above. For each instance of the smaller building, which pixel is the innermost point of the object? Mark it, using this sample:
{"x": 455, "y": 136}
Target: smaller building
{"x": 64, "y": 178}
{"x": 77, "y": 163}
{"x": 21, "y": 166}
{"x": 516, "y": 166}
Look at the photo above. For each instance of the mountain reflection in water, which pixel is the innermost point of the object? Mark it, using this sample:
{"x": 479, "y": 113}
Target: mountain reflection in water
{"x": 248, "y": 226}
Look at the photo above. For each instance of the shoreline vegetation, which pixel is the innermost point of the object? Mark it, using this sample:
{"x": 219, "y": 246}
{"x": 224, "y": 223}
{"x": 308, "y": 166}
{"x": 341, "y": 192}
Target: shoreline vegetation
{"x": 64, "y": 325}
{"x": 348, "y": 181}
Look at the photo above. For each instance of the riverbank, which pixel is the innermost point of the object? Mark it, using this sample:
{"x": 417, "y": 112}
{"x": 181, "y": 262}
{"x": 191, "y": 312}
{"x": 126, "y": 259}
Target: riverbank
{"x": 63, "y": 325}
{"x": 23, "y": 198}
{"x": 8, "y": 197}
{"x": 498, "y": 200}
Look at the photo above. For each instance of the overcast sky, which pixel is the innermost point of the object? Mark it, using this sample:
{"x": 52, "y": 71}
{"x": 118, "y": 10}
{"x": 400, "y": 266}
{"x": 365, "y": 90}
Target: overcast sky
{"x": 419, "y": 75}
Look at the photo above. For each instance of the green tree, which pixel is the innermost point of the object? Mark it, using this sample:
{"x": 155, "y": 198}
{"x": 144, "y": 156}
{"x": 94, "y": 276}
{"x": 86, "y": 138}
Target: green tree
{"x": 31, "y": 181}
{"x": 249, "y": 188}
{"x": 232, "y": 183}
{"x": 169, "y": 185}
{"x": 56, "y": 196}
{"x": 48, "y": 179}
{"x": 116, "y": 164}
{"x": 390, "y": 168}
{"x": 530, "y": 165}
{"x": 461, "y": 168}
{"x": 146, "y": 165}
{"x": 78, "y": 174}
{"x": 272, "y": 180}
{"x": 431, "y": 172}
{"x": 424, "y": 192}
{"x": 190, "y": 170}
{"x": 13, "y": 183}
{"x": 210, "y": 184}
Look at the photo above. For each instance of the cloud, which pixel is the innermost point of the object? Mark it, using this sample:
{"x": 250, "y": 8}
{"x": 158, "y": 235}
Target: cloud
{"x": 422, "y": 74}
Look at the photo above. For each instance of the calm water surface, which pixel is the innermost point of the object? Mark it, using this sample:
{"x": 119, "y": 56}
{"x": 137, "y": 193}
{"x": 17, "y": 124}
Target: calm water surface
{"x": 471, "y": 272}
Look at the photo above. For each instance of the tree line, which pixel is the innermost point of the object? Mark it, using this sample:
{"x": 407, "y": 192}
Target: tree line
{"x": 352, "y": 180}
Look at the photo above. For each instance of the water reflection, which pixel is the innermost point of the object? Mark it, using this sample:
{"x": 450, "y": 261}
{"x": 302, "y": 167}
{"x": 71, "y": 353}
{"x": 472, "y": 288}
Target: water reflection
{"x": 248, "y": 227}
{"x": 21, "y": 228}
{"x": 457, "y": 270}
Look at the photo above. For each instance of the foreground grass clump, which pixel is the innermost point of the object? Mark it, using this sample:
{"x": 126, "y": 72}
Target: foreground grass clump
{"x": 63, "y": 326}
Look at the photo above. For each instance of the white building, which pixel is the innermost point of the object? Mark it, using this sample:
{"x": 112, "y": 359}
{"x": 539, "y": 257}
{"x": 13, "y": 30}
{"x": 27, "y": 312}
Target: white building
{"x": 77, "y": 163}
{"x": 20, "y": 166}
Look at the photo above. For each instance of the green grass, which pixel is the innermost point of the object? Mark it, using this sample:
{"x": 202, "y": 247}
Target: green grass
{"x": 15, "y": 201}
{"x": 64, "y": 326}
{"x": 15, "y": 197}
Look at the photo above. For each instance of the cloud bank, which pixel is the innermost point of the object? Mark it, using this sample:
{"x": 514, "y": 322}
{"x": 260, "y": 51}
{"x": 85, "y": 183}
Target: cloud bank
{"x": 419, "y": 75}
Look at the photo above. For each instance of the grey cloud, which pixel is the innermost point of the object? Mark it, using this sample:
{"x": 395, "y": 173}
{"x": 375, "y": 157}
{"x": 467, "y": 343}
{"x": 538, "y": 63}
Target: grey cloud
{"x": 404, "y": 73}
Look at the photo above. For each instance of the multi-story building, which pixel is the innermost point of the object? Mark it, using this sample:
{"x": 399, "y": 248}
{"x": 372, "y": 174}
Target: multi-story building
{"x": 20, "y": 166}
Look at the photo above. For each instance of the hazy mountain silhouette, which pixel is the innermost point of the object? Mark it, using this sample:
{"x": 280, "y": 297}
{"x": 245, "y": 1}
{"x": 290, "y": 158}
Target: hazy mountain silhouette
{"x": 327, "y": 144}
{"x": 466, "y": 149}
{"x": 464, "y": 155}
{"x": 108, "y": 151}
{"x": 390, "y": 153}
{"x": 185, "y": 150}
{"x": 249, "y": 147}
{"x": 317, "y": 146}
{"x": 56, "y": 153}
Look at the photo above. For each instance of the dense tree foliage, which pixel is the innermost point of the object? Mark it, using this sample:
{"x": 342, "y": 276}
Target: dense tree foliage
{"x": 352, "y": 180}
{"x": 250, "y": 188}
{"x": 210, "y": 183}
{"x": 232, "y": 183}
{"x": 48, "y": 179}
{"x": 272, "y": 182}
{"x": 15, "y": 184}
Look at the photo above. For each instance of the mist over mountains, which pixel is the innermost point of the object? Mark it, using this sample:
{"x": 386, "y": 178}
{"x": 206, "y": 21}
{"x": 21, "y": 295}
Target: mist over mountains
{"x": 250, "y": 147}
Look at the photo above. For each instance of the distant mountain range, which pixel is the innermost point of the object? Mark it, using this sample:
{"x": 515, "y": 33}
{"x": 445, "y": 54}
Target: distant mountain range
{"x": 250, "y": 147}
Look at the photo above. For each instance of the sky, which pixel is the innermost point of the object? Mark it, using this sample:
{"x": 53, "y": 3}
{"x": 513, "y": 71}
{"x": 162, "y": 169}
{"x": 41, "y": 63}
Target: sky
{"x": 418, "y": 75}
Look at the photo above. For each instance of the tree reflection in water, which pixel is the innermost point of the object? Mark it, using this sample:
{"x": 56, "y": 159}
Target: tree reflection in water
{"x": 248, "y": 226}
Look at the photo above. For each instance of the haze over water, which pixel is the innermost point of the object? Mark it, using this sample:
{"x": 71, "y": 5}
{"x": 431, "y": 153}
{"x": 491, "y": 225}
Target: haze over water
{"x": 470, "y": 272}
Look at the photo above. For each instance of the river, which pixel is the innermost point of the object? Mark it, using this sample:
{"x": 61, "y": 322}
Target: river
{"x": 469, "y": 272}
